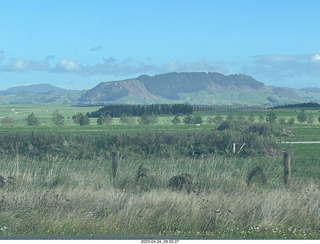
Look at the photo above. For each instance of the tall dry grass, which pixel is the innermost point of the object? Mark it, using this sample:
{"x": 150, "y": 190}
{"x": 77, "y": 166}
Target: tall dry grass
{"x": 79, "y": 197}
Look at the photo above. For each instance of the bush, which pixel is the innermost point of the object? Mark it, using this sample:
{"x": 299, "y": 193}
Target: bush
{"x": 176, "y": 120}
{"x": 310, "y": 118}
{"x": 104, "y": 120}
{"x": 81, "y": 119}
{"x": 271, "y": 117}
{"x": 147, "y": 119}
{"x": 291, "y": 121}
{"x": 57, "y": 118}
{"x": 124, "y": 119}
{"x": 32, "y": 120}
{"x": 225, "y": 125}
{"x": 302, "y": 116}
{"x": 198, "y": 119}
{"x": 188, "y": 119}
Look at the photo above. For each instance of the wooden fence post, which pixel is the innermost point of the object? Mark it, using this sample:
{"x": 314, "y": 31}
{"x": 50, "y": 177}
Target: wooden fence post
{"x": 287, "y": 168}
{"x": 115, "y": 164}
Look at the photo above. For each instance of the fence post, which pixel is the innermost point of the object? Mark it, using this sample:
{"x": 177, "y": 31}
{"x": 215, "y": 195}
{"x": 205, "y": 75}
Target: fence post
{"x": 287, "y": 168}
{"x": 115, "y": 164}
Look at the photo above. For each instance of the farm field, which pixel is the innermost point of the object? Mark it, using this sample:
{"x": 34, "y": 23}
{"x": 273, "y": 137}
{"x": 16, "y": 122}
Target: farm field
{"x": 58, "y": 184}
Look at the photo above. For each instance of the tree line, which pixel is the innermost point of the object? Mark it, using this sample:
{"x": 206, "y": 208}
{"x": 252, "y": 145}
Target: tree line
{"x": 139, "y": 110}
{"x": 147, "y": 119}
{"x": 300, "y": 105}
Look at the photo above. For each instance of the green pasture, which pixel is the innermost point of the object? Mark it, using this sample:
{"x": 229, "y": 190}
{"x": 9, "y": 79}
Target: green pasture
{"x": 44, "y": 112}
{"x": 50, "y": 195}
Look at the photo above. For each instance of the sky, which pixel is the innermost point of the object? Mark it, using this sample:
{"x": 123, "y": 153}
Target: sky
{"x": 77, "y": 44}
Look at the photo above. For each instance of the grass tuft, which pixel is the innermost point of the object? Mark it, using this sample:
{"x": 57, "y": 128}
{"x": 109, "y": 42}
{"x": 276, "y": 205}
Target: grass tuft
{"x": 257, "y": 171}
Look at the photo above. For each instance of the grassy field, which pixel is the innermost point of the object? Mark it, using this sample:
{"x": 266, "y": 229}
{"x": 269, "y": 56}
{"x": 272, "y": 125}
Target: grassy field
{"x": 68, "y": 197}
{"x": 80, "y": 198}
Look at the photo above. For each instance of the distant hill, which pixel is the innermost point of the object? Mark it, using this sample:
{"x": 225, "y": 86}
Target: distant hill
{"x": 186, "y": 87}
{"x": 311, "y": 89}
{"x": 110, "y": 91}
{"x": 193, "y": 88}
{"x": 41, "y": 93}
{"x": 40, "y": 88}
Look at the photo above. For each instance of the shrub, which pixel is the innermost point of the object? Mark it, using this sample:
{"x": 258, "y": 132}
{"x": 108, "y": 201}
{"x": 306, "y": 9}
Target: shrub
{"x": 57, "y": 118}
{"x": 198, "y": 119}
{"x": 32, "y": 120}
{"x": 124, "y": 119}
{"x": 291, "y": 121}
{"x": 302, "y": 116}
{"x": 310, "y": 118}
{"x": 147, "y": 119}
{"x": 176, "y": 120}
{"x": 225, "y": 125}
{"x": 188, "y": 119}
{"x": 271, "y": 117}
{"x": 104, "y": 119}
{"x": 81, "y": 119}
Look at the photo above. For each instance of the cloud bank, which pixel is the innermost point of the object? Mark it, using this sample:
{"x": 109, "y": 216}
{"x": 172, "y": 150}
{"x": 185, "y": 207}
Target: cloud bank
{"x": 279, "y": 67}
{"x": 110, "y": 66}
{"x": 22, "y": 64}
{"x": 284, "y": 70}
{"x": 67, "y": 65}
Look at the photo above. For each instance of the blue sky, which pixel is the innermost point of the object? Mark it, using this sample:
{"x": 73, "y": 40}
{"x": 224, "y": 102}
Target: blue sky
{"x": 77, "y": 44}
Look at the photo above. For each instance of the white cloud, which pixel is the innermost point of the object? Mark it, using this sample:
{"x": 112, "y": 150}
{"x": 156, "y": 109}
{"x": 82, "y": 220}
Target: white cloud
{"x": 113, "y": 67}
{"x": 315, "y": 58}
{"x": 203, "y": 65}
{"x": 68, "y": 66}
{"x": 22, "y": 64}
{"x": 285, "y": 69}
{"x": 124, "y": 67}
{"x": 19, "y": 64}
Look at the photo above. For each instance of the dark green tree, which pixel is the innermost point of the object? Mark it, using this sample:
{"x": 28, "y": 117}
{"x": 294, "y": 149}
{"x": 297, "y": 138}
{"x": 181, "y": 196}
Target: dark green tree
{"x": 198, "y": 119}
{"x": 176, "y": 120}
{"x": 291, "y": 121}
{"x": 271, "y": 117}
{"x": 124, "y": 119}
{"x": 188, "y": 119}
{"x": 302, "y": 116}
{"x": 104, "y": 119}
{"x": 147, "y": 119}
{"x": 101, "y": 120}
{"x": 32, "y": 120}
{"x": 310, "y": 118}
{"x": 81, "y": 119}
{"x": 225, "y": 125}
{"x": 57, "y": 118}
